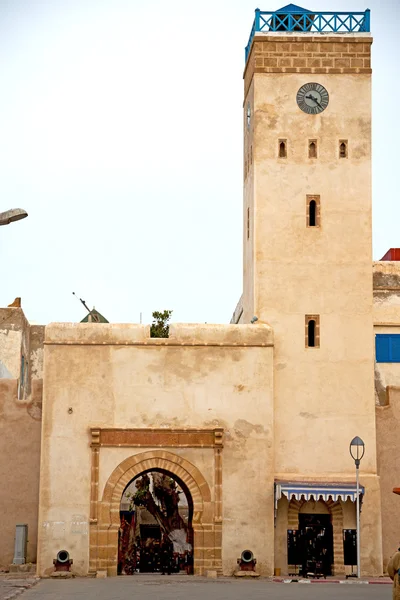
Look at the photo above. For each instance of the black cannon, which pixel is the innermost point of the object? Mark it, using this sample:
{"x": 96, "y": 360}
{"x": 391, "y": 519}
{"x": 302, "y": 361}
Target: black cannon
{"x": 63, "y": 562}
{"x": 247, "y": 562}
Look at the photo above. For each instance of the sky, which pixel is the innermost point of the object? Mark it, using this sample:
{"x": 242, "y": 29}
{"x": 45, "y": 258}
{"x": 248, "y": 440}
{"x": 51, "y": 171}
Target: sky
{"x": 121, "y": 135}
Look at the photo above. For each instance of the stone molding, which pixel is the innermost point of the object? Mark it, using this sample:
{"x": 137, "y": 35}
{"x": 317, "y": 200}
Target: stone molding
{"x": 180, "y": 335}
{"x": 167, "y": 438}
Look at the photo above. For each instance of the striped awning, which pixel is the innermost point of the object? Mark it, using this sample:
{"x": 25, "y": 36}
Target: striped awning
{"x": 316, "y": 491}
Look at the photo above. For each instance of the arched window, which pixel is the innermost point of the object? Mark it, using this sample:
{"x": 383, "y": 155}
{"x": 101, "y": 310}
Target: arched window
{"x": 313, "y": 213}
{"x": 313, "y": 216}
{"x": 343, "y": 149}
{"x": 282, "y": 149}
{"x": 312, "y": 149}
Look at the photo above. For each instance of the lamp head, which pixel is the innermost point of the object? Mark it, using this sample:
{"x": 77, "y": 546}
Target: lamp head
{"x": 357, "y": 450}
{"x": 254, "y": 319}
{"x": 15, "y": 214}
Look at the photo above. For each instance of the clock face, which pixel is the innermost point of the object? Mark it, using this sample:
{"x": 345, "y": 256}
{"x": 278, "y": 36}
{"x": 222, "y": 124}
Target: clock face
{"x": 312, "y": 98}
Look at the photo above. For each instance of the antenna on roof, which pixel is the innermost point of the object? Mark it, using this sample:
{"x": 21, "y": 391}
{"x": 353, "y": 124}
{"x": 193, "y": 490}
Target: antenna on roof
{"x": 83, "y": 302}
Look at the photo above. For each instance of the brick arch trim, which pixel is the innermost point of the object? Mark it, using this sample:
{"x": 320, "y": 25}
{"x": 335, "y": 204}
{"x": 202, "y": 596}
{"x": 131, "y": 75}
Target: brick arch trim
{"x": 154, "y": 460}
{"x": 103, "y": 547}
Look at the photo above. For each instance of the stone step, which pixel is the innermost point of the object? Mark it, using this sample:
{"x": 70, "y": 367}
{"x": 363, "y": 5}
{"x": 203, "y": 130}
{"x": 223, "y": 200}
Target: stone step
{"x": 26, "y": 568}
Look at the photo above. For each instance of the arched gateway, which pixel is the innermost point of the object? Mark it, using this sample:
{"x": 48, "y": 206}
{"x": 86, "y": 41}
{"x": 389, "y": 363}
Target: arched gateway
{"x": 104, "y": 534}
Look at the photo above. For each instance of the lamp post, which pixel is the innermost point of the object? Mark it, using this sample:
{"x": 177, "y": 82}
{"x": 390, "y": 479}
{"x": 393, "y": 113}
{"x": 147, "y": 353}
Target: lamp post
{"x": 357, "y": 449}
{"x": 9, "y": 216}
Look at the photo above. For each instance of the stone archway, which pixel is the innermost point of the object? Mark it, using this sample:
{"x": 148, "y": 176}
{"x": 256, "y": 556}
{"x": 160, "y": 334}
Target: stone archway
{"x": 104, "y": 540}
{"x": 336, "y": 511}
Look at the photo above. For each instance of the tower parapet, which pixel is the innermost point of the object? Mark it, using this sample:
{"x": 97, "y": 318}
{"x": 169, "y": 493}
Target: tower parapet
{"x": 295, "y": 40}
{"x": 292, "y": 18}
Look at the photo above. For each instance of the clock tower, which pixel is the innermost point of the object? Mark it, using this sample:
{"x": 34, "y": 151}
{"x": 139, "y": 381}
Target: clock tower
{"x": 308, "y": 258}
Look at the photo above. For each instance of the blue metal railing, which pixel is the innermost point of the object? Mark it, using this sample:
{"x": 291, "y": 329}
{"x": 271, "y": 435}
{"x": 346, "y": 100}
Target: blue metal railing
{"x": 308, "y": 21}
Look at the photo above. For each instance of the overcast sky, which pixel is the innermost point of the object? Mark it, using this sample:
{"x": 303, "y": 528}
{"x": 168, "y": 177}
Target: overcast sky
{"x": 121, "y": 135}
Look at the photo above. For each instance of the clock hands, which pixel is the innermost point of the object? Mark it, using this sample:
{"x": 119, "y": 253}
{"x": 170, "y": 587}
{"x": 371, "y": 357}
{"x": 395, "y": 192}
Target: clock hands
{"x": 314, "y": 100}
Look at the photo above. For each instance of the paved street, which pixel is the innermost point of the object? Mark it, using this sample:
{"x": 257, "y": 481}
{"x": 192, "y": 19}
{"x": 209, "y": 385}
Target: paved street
{"x": 157, "y": 587}
{"x": 9, "y": 587}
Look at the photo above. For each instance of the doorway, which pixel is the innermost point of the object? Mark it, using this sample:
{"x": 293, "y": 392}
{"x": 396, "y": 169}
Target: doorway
{"x": 316, "y": 544}
{"x": 155, "y": 534}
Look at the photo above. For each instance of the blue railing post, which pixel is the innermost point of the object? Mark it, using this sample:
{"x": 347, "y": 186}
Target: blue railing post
{"x": 367, "y": 20}
{"x": 257, "y": 20}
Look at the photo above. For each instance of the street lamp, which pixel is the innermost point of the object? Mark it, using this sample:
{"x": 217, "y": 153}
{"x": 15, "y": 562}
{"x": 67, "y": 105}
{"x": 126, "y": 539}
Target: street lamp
{"x": 9, "y": 216}
{"x": 357, "y": 449}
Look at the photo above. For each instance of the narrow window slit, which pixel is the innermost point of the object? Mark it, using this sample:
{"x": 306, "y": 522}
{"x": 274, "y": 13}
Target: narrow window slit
{"x": 343, "y": 149}
{"x": 282, "y": 149}
{"x": 248, "y": 223}
{"x": 312, "y": 149}
{"x": 313, "y": 213}
{"x": 312, "y": 331}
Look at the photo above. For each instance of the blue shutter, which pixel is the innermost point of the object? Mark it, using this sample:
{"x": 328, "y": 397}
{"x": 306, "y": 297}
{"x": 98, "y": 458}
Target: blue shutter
{"x": 382, "y": 347}
{"x": 395, "y": 348}
{"x": 387, "y": 347}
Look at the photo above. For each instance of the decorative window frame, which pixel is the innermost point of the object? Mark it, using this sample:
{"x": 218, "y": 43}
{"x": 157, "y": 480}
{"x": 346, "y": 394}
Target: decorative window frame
{"x": 317, "y": 199}
{"x": 315, "y": 318}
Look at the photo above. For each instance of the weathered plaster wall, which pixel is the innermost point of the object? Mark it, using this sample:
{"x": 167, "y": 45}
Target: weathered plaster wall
{"x": 386, "y": 277}
{"x": 14, "y": 340}
{"x": 324, "y": 270}
{"x": 387, "y": 397}
{"x": 20, "y": 429}
{"x": 249, "y": 209}
{"x": 203, "y": 376}
{"x": 388, "y": 427}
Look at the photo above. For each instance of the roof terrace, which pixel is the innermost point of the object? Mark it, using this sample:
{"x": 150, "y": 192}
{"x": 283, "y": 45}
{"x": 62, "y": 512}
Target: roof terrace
{"x": 292, "y": 18}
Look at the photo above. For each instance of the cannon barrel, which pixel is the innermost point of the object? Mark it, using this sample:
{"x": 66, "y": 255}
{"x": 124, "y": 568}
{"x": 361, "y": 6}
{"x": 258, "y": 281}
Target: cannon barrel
{"x": 62, "y": 556}
{"x": 247, "y": 556}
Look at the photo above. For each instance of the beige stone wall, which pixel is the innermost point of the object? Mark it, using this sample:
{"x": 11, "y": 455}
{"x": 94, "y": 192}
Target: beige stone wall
{"x": 308, "y": 53}
{"x": 20, "y": 427}
{"x": 116, "y": 377}
{"x": 323, "y": 396}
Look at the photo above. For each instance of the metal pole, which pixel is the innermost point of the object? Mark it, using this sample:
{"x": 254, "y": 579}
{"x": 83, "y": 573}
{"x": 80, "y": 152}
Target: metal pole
{"x": 358, "y": 521}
